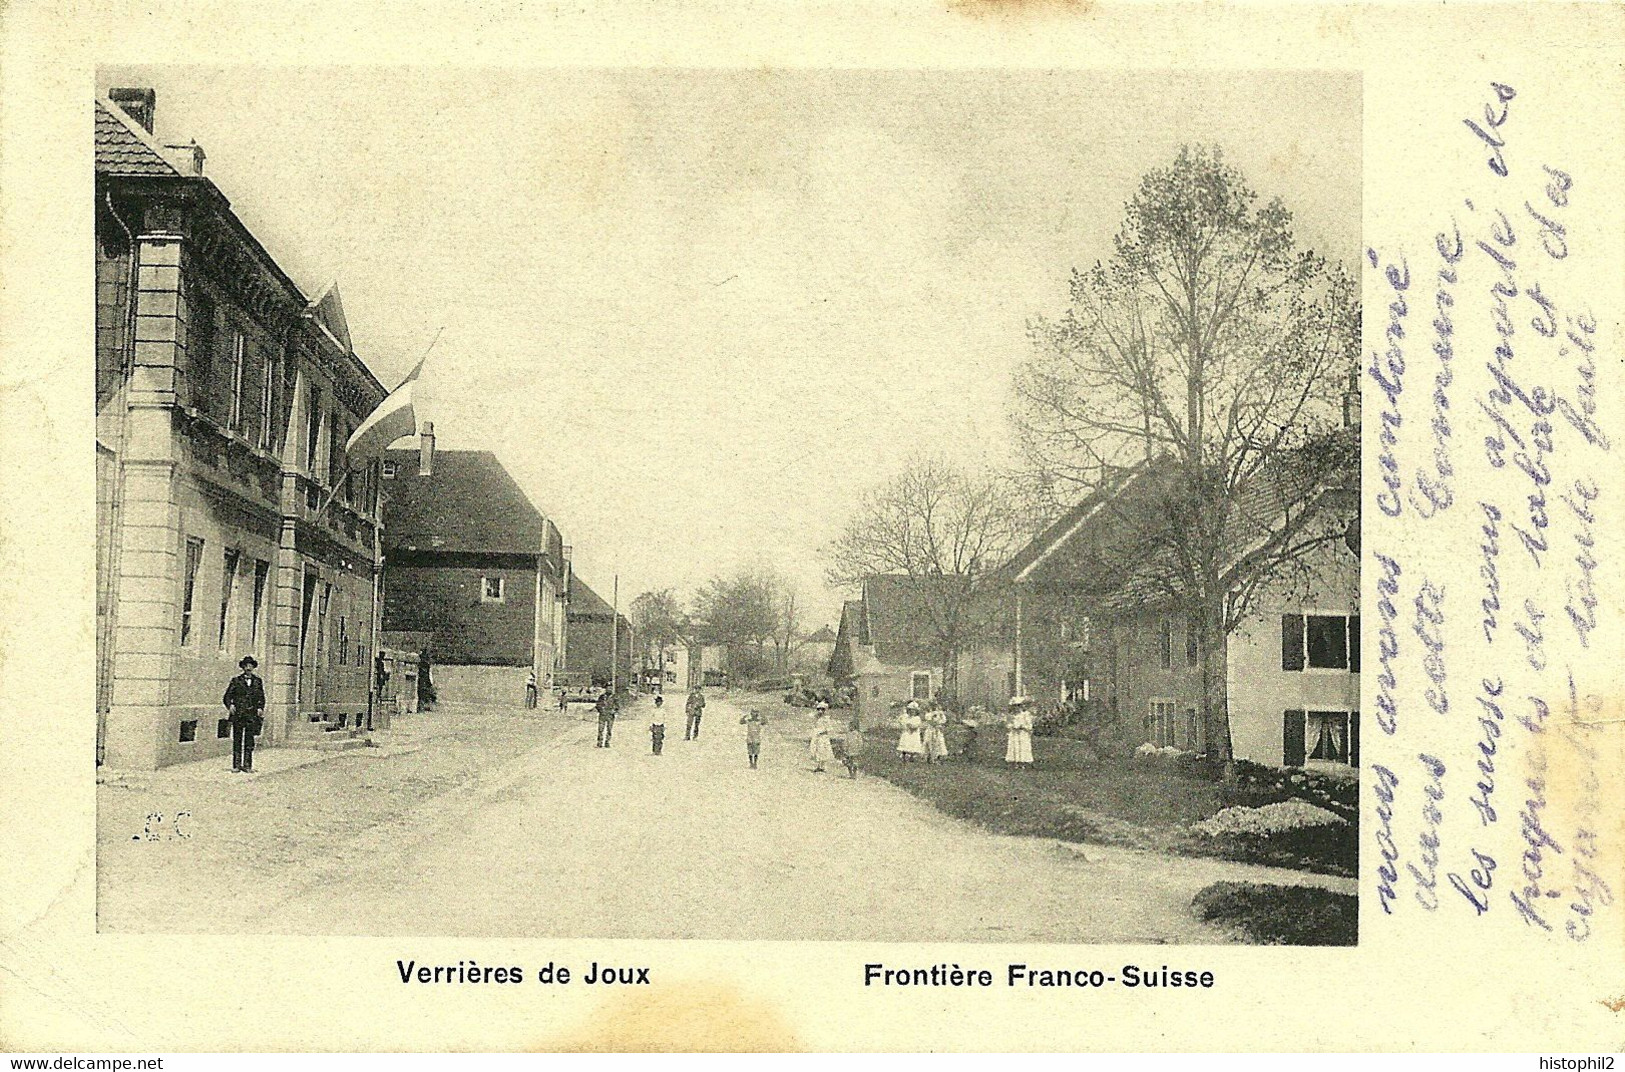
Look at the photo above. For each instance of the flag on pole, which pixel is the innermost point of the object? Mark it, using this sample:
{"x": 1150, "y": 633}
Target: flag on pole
{"x": 393, "y": 419}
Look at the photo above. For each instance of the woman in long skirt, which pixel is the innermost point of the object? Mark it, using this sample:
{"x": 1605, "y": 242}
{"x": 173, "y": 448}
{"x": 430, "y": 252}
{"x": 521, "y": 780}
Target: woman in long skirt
{"x": 818, "y": 749}
{"x": 936, "y": 745}
{"x": 910, "y": 742}
{"x": 1018, "y": 746}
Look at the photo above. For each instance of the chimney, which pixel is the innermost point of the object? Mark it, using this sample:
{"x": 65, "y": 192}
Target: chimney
{"x": 426, "y": 449}
{"x": 189, "y": 157}
{"x": 139, "y": 104}
{"x": 1351, "y": 401}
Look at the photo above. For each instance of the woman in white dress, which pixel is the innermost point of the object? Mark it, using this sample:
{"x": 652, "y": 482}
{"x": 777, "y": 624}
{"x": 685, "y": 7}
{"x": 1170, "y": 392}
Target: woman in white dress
{"x": 936, "y": 745}
{"x": 818, "y": 749}
{"x": 910, "y": 742}
{"x": 1018, "y": 746}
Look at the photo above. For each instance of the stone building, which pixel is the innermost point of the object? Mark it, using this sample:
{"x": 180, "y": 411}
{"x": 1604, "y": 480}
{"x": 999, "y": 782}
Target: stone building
{"x": 471, "y": 563}
{"x": 224, "y": 397}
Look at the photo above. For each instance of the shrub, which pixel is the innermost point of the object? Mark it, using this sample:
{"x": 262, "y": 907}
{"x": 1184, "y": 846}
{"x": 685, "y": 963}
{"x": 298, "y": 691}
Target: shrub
{"x": 1281, "y": 915}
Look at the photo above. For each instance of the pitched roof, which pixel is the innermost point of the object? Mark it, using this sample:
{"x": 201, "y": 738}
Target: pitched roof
{"x": 825, "y": 635}
{"x": 124, "y": 148}
{"x": 585, "y": 603}
{"x": 898, "y": 619}
{"x": 469, "y": 504}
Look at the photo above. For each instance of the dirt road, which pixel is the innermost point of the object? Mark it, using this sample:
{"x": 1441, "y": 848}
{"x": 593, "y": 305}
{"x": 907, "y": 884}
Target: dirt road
{"x": 559, "y": 838}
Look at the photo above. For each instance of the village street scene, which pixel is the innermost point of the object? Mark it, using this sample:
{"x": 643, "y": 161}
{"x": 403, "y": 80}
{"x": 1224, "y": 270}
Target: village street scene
{"x": 790, "y": 506}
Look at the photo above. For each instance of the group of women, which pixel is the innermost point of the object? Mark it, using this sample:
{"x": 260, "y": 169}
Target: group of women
{"x": 920, "y": 733}
{"x": 920, "y": 736}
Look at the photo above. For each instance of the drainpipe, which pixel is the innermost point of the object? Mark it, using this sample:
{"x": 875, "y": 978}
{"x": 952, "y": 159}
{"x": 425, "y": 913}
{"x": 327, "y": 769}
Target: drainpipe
{"x": 115, "y": 507}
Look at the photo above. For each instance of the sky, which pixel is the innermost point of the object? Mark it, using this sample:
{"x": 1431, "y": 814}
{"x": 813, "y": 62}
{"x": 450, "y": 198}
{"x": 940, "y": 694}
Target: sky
{"x": 697, "y": 313}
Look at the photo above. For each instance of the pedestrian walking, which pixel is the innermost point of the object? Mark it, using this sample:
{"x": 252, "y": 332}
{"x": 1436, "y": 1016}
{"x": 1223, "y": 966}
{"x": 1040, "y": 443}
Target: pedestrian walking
{"x": 564, "y": 701}
{"x": 1018, "y": 747}
{"x": 606, "y": 718}
{"x": 245, "y": 708}
{"x": 910, "y": 741}
{"x": 936, "y": 745}
{"x": 753, "y": 723}
{"x": 657, "y": 725}
{"x": 530, "y": 691}
{"x": 852, "y": 748}
{"x": 695, "y": 707}
{"x": 818, "y": 747}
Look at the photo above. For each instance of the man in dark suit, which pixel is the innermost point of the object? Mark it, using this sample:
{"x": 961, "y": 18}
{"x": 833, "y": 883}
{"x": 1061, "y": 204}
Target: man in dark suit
{"x": 245, "y": 704}
{"x": 606, "y": 718}
{"x": 695, "y": 706}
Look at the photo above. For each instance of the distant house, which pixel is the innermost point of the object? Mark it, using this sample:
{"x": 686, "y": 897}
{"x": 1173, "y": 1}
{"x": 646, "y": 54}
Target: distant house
{"x": 599, "y": 649}
{"x": 471, "y": 562}
{"x": 885, "y": 647}
{"x": 1078, "y": 627}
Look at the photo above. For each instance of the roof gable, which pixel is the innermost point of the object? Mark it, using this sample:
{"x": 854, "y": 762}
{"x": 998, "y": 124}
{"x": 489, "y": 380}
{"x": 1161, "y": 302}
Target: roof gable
{"x": 329, "y": 312}
{"x": 123, "y": 147}
{"x": 469, "y": 504}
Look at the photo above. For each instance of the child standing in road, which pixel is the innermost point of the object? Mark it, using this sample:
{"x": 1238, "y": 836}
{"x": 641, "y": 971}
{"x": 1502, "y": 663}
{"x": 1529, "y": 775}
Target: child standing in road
{"x": 753, "y": 723}
{"x": 818, "y": 748}
{"x": 657, "y": 724}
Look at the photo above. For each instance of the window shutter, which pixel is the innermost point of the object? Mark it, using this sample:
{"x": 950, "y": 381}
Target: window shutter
{"x": 1292, "y": 727}
{"x": 1292, "y": 642}
{"x": 1354, "y": 736}
{"x": 1354, "y": 644}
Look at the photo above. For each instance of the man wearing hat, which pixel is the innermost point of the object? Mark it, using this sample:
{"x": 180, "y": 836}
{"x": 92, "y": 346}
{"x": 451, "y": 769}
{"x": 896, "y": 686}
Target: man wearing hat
{"x": 245, "y": 706}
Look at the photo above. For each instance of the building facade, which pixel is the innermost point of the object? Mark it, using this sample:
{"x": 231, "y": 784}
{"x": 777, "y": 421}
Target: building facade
{"x": 599, "y": 648}
{"x": 472, "y": 564}
{"x": 227, "y": 524}
{"x": 883, "y": 649}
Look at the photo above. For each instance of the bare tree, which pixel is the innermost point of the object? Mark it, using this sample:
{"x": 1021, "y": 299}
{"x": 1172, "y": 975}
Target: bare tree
{"x": 945, "y": 531}
{"x": 787, "y": 631}
{"x": 1213, "y": 354}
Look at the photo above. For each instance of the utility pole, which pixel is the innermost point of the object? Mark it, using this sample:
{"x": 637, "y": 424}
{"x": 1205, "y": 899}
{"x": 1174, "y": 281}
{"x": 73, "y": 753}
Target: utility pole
{"x": 615, "y": 639}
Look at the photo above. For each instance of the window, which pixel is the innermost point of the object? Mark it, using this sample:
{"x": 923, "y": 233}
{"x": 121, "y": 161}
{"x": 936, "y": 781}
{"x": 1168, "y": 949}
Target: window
{"x": 491, "y": 590}
{"x": 313, "y": 429}
{"x": 194, "y": 558}
{"x": 1320, "y": 642}
{"x": 389, "y": 470}
{"x": 1193, "y": 655}
{"x": 238, "y": 358}
{"x": 262, "y": 572}
{"x": 1160, "y": 723}
{"x": 199, "y": 345}
{"x": 1193, "y": 730}
{"x": 267, "y": 400}
{"x": 1327, "y": 736}
{"x": 188, "y": 730}
{"x": 1165, "y": 644}
{"x": 222, "y": 728}
{"x": 1085, "y": 633}
{"x": 344, "y": 641}
{"x": 228, "y": 584}
{"x": 919, "y": 685}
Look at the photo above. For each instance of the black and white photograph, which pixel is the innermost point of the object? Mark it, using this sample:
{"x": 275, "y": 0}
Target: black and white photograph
{"x": 841, "y": 505}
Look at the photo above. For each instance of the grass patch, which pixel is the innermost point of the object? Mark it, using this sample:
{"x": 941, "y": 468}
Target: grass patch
{"x": 1281, "y": 915}
{"x": 1072, "y": 796}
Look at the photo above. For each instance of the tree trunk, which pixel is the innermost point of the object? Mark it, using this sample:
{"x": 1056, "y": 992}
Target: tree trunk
{"x": 1215, "y": 696}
